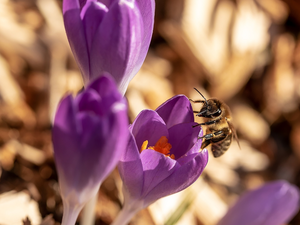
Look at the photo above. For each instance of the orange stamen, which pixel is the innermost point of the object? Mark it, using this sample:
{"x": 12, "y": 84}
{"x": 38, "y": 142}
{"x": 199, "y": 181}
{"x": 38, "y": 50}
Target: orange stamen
{"x": 162, "y": 146}
{"x": 144, "y": 146}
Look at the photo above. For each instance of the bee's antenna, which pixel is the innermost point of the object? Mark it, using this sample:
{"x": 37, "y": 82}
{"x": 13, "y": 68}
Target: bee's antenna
{"x": 201, "y": 95}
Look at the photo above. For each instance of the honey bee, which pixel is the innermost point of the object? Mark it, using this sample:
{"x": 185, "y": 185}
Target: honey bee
{"x": 219, "y": 129}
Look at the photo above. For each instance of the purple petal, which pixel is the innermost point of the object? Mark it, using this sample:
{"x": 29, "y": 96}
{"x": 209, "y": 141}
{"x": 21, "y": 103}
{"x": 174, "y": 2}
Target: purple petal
{"x": 176, "y": 110}
{"x": 147, "y": 9}
{"x": 108, "y": 3}
{"x": 197, "y": 146}
{"x": 76, "y": 35}
{"x": 71, "y": 5}
{"x": 187, "y": 158}
{"x": 89, "y": 101}
{"x": 148, "y": 125}
{"x": 98, "y": 139}
{"x": 157, "y": 167}
{"x": 118, "y": 43}
{"x": 131, "y": 169}
{"x": 91, "y": 126}
{"x": 272, "y": 204}
{"x": 114, "y": 128}
{"x": 82, "y": 3}
{"x": 106, "y": 88}
{"x": 65, "y": 138}
{"x": 182, "y": 137}
{"x": 90, "y": 152}
{"x": 66, "y": 110}
{"x": 92, "y": 14}
{"x": 183, "y": 177}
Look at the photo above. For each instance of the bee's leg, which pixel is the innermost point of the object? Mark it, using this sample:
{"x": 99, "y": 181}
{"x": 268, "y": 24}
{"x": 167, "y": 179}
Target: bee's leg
{"x": 211, "y": 135}
{"x": 196, "y": 101}
{"x": 205, "y": 143}
{"x": 197, "y": 125}
{"x": 212, "y": 138}
{"x": 206, "y": 123}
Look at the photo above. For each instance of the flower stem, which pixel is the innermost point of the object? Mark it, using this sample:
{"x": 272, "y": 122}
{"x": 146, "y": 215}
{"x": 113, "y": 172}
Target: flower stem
{"x": 125, "y": 215}
{"x": 70, "y": 215}
{"x": 88, "y": 212}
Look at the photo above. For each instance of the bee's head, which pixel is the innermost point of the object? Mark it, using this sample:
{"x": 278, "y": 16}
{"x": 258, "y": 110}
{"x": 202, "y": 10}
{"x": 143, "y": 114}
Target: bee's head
{"x": 210, "y": 109}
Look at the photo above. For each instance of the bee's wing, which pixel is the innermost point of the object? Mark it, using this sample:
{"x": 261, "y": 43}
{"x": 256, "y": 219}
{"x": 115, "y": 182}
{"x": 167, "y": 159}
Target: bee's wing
{"x": 233, "y": 132}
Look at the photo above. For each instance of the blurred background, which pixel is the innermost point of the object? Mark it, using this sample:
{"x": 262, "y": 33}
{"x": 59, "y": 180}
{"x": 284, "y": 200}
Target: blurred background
{"x": 245, "y": 52}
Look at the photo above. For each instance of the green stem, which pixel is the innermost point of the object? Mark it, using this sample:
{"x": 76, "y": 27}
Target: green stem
{"x": 88, "y": 212}
{"x": 125, "y": 215}
{"x": 70, "y": 214}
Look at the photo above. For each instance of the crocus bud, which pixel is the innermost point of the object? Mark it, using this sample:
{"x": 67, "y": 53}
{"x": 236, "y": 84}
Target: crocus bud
{"x": 109, "y": 36}
{"x": 90, "y": 133}
{"x": 274, "y": 203}
{"x": 162, "y": 156}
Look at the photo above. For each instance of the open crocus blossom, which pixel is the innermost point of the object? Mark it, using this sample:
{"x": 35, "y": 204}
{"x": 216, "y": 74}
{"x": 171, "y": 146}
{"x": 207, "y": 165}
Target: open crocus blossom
{"x": 90, "y": 133}
{"x": 109, "y": 36}
{"x": 162, "y": 156}
{"x": 272, "y": 204}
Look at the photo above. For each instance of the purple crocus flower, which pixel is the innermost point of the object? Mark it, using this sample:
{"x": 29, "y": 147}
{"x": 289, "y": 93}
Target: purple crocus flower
{"x": 89, "y": 135}
{"x": 109, "y": 36}
{"x": 162, "y": 156}
{"x": 272, "y": 204}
